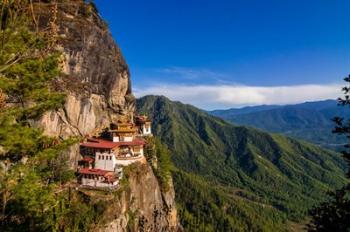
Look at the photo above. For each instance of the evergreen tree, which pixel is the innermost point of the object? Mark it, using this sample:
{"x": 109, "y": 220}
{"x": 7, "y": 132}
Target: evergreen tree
{"x": 31, "y": 167}
{"x": 334, "y": 215}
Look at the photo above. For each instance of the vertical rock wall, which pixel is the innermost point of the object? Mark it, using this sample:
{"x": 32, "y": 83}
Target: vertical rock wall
{"x": 95, "y": 75}
{"x": 97, "y": 82}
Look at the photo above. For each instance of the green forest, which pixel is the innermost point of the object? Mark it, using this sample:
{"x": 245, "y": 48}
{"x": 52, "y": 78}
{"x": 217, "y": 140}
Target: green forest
{"x": 311, "y": 121}
{"x": 245, "y": 168}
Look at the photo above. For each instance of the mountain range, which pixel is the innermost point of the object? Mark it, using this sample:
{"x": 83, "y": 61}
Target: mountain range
{"x": 229, "y": 176}
{"x": 311, "y": 121}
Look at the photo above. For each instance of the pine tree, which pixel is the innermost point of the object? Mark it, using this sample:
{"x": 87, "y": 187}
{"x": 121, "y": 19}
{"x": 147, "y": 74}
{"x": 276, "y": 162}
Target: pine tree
{"x": 29, "y": 160}
{"x": 334, "y": 215}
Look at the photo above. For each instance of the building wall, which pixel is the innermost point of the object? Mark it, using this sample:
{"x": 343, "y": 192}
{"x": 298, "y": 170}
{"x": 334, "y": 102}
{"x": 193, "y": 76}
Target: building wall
{"x": 126, "y": 162}
{"x": 146, "y": 130}
{"x": 97, "y": 182}
{"x": 88, "y": 182}
{"x": 140, "y": 152}
{"x": 122, "y": 139}
{"x": 105, "y": 161}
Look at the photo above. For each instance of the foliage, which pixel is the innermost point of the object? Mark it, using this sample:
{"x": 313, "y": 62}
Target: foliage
{"x": 81, "y": 213}
{"x": 204, "y": 206}
{"x": 264, "y": 168}
{"x": 334, "y": 215}
{"x": 343, "y": 127}
{"x": 34, "y": 169}
{"x": 311, "y": 121}
{"x": 158, "y": 156}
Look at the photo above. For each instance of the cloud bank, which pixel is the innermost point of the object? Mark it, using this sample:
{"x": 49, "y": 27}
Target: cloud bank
{"x": 228, "y": 96}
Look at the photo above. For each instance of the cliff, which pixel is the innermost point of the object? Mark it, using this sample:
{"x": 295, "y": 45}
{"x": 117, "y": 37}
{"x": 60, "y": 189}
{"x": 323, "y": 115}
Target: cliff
{"x": 97, "y": 82}
{"x": 95, "y": 75}
{"x": 141, "y": 206}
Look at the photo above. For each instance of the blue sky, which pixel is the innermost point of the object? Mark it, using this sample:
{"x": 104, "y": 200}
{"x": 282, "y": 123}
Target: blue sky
{"x": 228, "y": 53}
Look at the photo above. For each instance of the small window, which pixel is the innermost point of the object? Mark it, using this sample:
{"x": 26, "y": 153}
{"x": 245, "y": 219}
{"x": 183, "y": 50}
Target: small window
{"x": 103, "y": 157}
{"x": 99, "y": 157}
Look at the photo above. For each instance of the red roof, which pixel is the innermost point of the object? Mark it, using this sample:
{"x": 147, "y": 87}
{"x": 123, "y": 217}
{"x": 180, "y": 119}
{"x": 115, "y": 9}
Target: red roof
{"x": 106, "y": 144}
{"x": 88, "y": 159}
{"x": 110, "y": 177}
{"x": 143, "y": 119}
{"x": 99, "y": 143}
{"x": 90, "y": 171}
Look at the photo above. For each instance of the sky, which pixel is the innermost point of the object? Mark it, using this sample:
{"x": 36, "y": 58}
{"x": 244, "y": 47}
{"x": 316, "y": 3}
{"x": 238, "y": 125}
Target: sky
{"x": 232, "y": 53}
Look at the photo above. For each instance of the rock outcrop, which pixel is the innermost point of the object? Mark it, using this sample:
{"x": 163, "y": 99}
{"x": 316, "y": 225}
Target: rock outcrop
{"x": 95, "y": 75}
{"x": 142, "y": 206}
{"x": 97, "y": 82}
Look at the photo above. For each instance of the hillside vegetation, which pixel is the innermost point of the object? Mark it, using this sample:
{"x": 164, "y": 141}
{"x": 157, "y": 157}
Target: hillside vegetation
{"x": 311, "y": 121}
{"x": 229, "y": 175}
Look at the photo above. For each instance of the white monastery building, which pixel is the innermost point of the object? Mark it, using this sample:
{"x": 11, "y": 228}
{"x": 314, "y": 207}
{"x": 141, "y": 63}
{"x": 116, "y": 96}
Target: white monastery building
{"x": 103, "y": 158}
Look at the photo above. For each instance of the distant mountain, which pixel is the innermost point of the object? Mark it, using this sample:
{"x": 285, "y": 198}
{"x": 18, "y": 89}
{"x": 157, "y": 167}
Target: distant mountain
{"x": 230, "y": 176}
{"x": 244, "y": 110}
{"x": 311, "y": 121}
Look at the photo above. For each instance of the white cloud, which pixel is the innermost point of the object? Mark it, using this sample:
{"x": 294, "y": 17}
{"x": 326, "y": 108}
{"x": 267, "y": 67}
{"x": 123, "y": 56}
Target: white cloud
{"x": 225, "y": 96}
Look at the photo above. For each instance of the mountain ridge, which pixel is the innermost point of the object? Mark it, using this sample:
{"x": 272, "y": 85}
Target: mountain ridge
{"x": 310, "y": 121}
{"x": 253, "y": 162}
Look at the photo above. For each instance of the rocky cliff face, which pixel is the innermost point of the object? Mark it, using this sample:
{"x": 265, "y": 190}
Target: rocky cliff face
{"x": 142, "y": 206}
{"x": 95, "y": 74}
{"x": 96, "y": 79}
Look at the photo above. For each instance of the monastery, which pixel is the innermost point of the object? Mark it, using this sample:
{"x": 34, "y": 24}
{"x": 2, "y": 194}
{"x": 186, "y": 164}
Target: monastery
{"x": 104, "y": 157}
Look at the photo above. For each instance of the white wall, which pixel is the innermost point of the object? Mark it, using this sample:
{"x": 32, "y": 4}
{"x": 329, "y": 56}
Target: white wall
{"x": 146, "y": 130}
{"x": 88, "y": 182}
{"x": 141, "y": 152}
{"x": 97, "y": 182}
{"x": 122, "y": 139}
{"x": 128, "y": 139}
{"x": 126, "y": 162}
{"x": 105, "y": 161}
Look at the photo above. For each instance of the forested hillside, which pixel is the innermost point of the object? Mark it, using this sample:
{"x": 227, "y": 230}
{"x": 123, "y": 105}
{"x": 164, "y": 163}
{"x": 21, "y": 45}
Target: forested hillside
{"x": 311, "y": 121}
{"x": 227, "y": 175}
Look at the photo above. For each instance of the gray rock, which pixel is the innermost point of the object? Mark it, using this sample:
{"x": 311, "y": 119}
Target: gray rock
{"x": 97, "y": 82}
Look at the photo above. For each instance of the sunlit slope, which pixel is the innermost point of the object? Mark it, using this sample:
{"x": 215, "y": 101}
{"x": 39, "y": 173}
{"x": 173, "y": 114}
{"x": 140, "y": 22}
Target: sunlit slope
{"x": 281, "y": 172}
